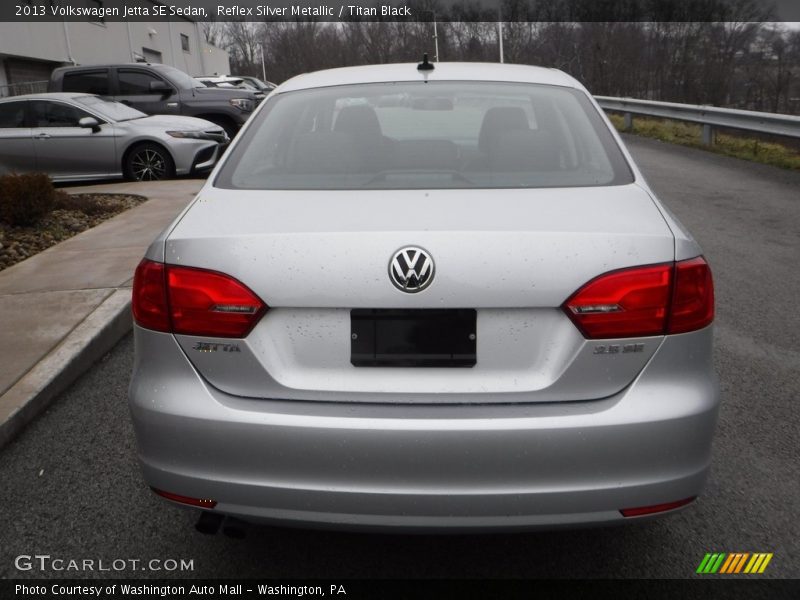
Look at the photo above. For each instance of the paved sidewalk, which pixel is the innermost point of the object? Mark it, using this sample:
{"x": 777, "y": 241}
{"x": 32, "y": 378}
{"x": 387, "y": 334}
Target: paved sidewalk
{"x": 63, "y": 308}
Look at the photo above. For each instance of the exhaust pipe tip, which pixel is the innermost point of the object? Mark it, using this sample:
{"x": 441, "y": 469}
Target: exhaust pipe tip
{"x": 208, "y": 523}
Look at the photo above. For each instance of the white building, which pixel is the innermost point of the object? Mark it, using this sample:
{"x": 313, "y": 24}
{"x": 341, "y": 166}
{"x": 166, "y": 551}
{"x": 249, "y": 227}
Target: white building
{"x": 30, "y": 51}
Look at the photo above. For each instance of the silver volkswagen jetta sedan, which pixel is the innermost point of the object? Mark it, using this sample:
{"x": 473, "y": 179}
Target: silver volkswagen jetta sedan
{"x": 426, "y": 298}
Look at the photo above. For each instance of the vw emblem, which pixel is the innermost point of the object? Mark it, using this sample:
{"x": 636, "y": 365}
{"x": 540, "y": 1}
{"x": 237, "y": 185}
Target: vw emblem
{"x": 411, "y": 269}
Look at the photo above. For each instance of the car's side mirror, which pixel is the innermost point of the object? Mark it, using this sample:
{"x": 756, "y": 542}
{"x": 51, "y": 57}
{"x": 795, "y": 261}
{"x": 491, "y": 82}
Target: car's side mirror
{"x": 159, "y": 87}
{"x": 89, "y": 123}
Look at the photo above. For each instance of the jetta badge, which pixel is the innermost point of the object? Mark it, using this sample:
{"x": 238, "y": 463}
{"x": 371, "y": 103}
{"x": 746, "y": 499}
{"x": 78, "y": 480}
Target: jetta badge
{"x": 411, "y": 269}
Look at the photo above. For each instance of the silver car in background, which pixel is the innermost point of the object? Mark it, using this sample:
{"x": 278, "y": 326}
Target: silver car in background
{"x": 429, "y": 299}
{"x": 82, "y": 136}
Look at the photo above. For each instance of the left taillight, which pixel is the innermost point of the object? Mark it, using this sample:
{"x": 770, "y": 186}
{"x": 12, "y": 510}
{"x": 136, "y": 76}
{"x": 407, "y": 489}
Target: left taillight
{"x": 150, "y": 308}
{"x": 192, "y": 301}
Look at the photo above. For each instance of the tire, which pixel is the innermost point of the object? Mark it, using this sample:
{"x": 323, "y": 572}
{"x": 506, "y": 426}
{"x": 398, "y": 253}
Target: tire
{"x": 148, "y": 162}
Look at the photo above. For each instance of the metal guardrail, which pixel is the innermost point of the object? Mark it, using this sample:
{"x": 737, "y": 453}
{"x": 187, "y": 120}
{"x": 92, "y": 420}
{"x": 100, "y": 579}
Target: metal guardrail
{"x": 708, "y": 116}
{"x": 26, "y": 87}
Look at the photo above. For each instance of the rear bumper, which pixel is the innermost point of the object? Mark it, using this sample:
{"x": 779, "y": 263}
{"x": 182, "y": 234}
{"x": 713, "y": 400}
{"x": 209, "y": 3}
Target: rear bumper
{"x": 427, "y": 467}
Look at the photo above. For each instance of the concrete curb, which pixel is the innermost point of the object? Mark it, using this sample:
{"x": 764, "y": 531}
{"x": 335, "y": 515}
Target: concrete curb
{"x": 88, "y": 342}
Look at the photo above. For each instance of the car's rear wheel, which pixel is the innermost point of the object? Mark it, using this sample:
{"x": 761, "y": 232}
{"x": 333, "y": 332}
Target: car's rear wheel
{"x": 148, "y": 162}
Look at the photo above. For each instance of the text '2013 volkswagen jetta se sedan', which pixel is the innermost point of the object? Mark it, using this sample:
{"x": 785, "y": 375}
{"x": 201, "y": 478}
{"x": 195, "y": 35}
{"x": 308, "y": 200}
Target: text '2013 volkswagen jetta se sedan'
{"x": 429, "y": 299}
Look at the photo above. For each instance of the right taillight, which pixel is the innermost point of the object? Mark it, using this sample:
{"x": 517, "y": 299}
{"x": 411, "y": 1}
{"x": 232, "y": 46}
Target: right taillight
{"x": 645, "y": 301}
{"x": 193, "y": 301}
{"x": 693, "y": 298}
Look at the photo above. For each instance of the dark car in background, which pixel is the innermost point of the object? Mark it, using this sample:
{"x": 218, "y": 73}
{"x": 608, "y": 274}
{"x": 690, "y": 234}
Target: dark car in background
{"x": 157, "y": 89}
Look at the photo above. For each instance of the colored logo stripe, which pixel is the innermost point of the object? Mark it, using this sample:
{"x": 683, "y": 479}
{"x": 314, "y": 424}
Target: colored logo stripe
{"x": 711, "y": 563}
{"x": 734, "y": 563}
{"x": 731, "y": 563}
{"x": 703, "y": 563}
{"x": 741, "y": 563}
{"x": 758, "y": 563}
{"x": 732, "y": 558}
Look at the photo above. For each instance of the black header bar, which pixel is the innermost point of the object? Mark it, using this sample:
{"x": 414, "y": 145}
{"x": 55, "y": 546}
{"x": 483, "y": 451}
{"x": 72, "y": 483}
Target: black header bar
{"x": 400, "y": 10}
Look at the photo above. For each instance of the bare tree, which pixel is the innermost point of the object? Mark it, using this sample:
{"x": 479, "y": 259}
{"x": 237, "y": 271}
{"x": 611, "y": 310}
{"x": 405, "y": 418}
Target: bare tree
{"x": 213, "y": 32}
{"x": 735, "y": 60}
{"x": 242, "y": 40}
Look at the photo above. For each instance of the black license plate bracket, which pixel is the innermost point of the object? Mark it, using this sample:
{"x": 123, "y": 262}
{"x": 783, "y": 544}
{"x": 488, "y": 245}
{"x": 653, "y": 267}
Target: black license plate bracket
{"x": 381, "y": 337}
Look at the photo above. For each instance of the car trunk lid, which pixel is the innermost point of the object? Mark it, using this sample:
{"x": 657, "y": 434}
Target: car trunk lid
{"x": 513, "y": 255}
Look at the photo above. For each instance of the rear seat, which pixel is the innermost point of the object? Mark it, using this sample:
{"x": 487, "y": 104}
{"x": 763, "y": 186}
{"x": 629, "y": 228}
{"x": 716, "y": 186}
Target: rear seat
{"x": 440, "y": 155}
{"x": 323, "y": 152}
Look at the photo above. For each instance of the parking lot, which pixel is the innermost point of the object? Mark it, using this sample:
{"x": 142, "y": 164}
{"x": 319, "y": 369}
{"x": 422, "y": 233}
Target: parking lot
{"x": 71, "y": 486}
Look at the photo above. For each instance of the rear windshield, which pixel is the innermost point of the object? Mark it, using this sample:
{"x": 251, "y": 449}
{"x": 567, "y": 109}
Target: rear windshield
{"x": 116, "y": 111}
{"x": 426, "y": 135}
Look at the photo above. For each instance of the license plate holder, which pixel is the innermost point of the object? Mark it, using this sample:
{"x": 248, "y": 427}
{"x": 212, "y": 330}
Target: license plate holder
{"x": 381, "y": 337}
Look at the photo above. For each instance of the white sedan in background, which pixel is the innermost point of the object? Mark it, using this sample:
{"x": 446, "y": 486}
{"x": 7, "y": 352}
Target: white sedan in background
{"x": 83, "y": 136}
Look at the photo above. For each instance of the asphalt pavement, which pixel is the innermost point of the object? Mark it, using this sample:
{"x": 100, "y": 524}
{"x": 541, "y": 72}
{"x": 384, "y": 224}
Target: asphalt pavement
{"x": 71, "y": 488}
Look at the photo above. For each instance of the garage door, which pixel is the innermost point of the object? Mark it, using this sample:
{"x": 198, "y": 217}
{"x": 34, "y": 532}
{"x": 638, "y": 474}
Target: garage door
{"x": 28, "y": 76}
{"x": 19, "y": 70}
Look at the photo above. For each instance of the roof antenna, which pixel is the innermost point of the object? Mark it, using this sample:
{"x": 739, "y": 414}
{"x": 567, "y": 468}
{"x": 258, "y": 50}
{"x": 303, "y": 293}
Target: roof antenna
{"x": 425, "y": 65}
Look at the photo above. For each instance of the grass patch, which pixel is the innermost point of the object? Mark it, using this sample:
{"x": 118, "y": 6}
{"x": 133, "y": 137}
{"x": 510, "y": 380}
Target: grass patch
{"x": 690, "y": 134}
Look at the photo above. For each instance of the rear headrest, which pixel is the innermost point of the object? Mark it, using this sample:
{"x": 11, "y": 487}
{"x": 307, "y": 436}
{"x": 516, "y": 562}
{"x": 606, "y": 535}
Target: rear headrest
{"x": 531, "y": 150}
{"x": 498, "y": 121}
{"x": 360, "y": 120}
